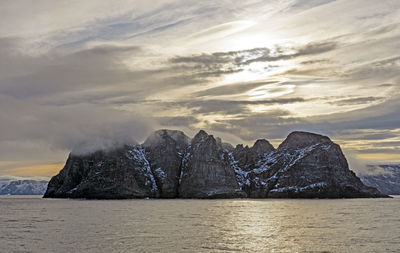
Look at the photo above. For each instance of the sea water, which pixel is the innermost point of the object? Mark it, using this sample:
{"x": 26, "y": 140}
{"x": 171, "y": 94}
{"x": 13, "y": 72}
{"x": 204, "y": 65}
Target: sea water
{"x": 33, "y": 224}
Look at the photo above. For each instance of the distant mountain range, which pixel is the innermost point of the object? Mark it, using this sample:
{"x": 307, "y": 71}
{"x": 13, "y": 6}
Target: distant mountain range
{"x": 12, "y": 186}
{"x": 386, "y": 178}
{"x": 169, "y": 164}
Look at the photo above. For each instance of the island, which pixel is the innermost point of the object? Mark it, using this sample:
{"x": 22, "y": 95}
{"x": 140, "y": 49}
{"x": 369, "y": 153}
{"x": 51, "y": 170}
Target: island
{"x": 169, "y": 164}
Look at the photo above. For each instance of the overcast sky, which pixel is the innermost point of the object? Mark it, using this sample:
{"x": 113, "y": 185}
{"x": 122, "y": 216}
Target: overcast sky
{"x": 79, "y": 75}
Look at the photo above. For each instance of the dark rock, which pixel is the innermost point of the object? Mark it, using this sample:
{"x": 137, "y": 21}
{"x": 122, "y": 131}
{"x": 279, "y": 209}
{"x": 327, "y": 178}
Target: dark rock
{"x": 298, "y": 140}
{"x": 207, "y": 172}
{"x": 169, "y": 165}
{"x": 121, "y": 173}
{"x": 228, "y": 146}
{"x": 305, "y": 165}
{"x": 165, "y": 150}
{"x": 247, "y": 158}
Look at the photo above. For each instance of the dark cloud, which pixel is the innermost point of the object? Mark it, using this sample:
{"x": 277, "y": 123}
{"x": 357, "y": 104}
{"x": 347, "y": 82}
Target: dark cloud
{"x": 184, "y": 121}
{"x": 389, "y": 144}
{"x": 384, "y": 69}
{"x": 271, "y": 124}
{"x": 53, "y": 73}
{"x": 317, "y": 61}
{"x": 245, "y": 57}
{"x": 217, "y": 64}
{"x": 310, "y": 72}
{"x": 94, "y": 75}
{"x": 382, "y": 116}
{"x": 80, "y": 127}
{"x": 313, "y": 48}
{"x": 386, "y": 85}
{"x": 229, "y": 107}
{"x": 370, "y": 134}
{"x": 355, "y": 101}
{"x": 221, "y": 57}
{"x": 278, "y": 123}
{"x": 231, "y": 89}
{"x": 308, "y": 4}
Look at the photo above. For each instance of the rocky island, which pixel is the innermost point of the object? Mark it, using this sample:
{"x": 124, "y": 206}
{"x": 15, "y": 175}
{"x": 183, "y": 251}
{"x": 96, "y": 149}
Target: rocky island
{"x": 169, "y": 164}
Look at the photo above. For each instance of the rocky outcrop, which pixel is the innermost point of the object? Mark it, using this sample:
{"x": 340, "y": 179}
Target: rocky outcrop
{"x": 305, "y": 165}
{"x": 120, "y": 173}
{"x": 170, "y": 165}
{"x": 165, "y": 150}
{"x": 247, "y": 158}
{"x": 206, "y": 171}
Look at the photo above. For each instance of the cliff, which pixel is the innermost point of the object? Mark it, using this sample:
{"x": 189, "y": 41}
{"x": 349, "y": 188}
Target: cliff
{"x": 171, "y": 165}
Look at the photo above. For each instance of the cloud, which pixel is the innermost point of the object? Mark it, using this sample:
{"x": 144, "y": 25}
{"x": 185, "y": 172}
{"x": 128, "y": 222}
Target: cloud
{"x": 314, "y": 48}
{"x": 355, "y": 101}
{"x": 245, "y": 57}
{"x": 101, "y": 74}
{"x": 80, "y": 128}
{"x": 231, "y": 61}
{"x": 45, "y": 75}
{"x": 382, "y": 68}
{"x": 367, "y": 134}
{"x": 232, "y": 89}
{"x": 318, "y": 61}
{"x": 304, "y": 4}
{"x": 222, "y": 30}
{"x": 180, "y": 121}
{"x": 229, "y": 107}
{"x": 217, "y": 64}
{"x": 272, "y": 124}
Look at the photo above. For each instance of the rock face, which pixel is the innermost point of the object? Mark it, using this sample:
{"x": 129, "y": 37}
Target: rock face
{"x": 170, "y": 165}
{"x": 386, "y": 179}
{"x": 247, "y": 158}
{"x": 165, "y": 150}
{"x": 305, "y": 165}
{"x": 206, "y": 171}
{"x": 121, "y": 173}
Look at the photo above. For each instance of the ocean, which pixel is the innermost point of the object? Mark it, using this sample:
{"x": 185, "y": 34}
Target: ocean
{"x": 33, "y": 224}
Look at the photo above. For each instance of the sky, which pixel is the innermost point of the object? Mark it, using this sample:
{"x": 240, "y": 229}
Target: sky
{"x": 82, "y": 75}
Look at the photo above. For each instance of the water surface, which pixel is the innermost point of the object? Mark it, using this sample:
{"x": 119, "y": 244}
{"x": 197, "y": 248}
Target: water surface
{"x": 32, "y": 224}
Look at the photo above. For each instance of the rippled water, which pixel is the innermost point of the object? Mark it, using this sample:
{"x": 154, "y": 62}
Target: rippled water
{"x": 59, "y": 225}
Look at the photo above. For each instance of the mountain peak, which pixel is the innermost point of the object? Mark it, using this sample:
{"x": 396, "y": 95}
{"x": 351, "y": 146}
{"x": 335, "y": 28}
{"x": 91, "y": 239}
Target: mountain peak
{"x": 201, "y": 135}
{"x": 263, "y": 145}
{"x": 299, "y": 139}
{"x": 162, "y": 134}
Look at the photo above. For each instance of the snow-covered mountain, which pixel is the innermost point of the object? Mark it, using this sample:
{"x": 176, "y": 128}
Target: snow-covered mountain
{"x": 386, "y": 178}
{"x": 20, "y": 186}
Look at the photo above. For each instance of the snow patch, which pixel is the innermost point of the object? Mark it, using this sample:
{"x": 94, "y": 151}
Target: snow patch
{"x": 300, "y": 189}
{"x": 138, "y": 154}
{"x": 160, "y": 174}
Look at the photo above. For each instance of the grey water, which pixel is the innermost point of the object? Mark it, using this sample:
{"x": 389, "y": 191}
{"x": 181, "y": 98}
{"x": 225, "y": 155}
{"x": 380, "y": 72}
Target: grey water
{"x": 32, "y": 224}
